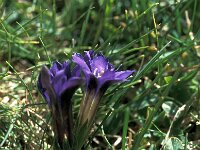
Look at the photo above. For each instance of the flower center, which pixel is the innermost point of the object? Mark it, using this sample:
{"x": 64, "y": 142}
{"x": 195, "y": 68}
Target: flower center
{"x": 98, "y": 73}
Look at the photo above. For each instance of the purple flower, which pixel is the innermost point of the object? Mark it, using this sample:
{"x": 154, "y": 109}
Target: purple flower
{"x": 58, "y": 82}
{"x": 99, "y": 74}
{"x": 99, "y": 71}
{"x": 57, "y": 85}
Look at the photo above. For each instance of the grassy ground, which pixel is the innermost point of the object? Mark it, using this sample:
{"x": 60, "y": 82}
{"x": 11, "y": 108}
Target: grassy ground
{"x": 159, "y": 108}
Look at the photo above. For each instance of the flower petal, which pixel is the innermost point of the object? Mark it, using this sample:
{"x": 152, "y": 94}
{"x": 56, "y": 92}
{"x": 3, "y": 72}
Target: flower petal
{"x": 42, "y": 90}
{"x": 79, "y": 60}
{"x": 67, "y": 70}
{"x": 110, "y": 77}
{"x": 105, "y": 81}
{"x": 61, "y": 83}
{"x": 99, "y": 64}
{"x": 110, "y": 67}
{"x": 122, "y": 75}
{"x": 76, "y": 71}
{"x": 65, "y": 64}
{"x": 59, "y": 80}
{"x": 55, "y": 67}
{"x": 71, "y": 85}
{"x": 88, "y": 56}
{"x": 44, "y": 84}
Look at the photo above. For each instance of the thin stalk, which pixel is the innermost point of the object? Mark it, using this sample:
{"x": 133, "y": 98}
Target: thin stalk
{"x": 125, "y": 127}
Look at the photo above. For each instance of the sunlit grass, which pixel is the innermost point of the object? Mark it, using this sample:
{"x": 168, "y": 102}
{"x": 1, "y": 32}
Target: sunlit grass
{"x": 158, "y": 107}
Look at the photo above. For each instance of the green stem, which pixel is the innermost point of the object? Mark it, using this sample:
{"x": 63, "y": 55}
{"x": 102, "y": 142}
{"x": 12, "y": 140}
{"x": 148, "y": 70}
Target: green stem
{"x": 125, "y": 128}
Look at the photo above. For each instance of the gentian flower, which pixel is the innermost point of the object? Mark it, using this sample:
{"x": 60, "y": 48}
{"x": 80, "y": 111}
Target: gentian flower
{"x": 57, "y": 85}
{"x": 99, "y": 74}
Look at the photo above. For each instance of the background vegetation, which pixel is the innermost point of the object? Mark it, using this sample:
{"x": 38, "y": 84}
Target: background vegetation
{"x": 159, "y": 108}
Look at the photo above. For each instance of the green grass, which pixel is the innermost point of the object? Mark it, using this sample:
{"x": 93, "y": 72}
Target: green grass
{"x": 158, "y": 108}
